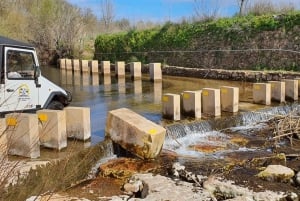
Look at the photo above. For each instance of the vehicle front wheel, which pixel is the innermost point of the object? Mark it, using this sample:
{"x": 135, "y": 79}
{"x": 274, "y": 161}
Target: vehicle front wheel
{"x": 55, "y": 105}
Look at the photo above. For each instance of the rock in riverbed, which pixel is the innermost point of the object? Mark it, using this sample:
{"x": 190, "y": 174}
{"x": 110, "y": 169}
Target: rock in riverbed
{"x": 277, "y": 173}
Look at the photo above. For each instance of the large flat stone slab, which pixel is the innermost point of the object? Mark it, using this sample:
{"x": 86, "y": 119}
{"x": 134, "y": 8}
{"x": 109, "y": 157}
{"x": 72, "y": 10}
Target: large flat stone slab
{"x": 135, "y": 133}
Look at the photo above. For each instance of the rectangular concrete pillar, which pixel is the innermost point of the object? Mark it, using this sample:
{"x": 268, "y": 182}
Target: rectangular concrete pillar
{"x": 3, "y": 139}
{"x": 78, "y": 124}
{"x": 135, "y": 133}
{"x": 105, "y": 67}
{"x": 68, "y": 64}
{"x": 23, "y": 134}
{"x": 155, "y": 71}
{"x": 75, "y": 65}
{"x": 84, "y": 65}
{"x": 171, "y": 106}
{"x": 291, "y": 89}
{"x": 120, "y": 68}
{"x": 229, "y": 99}
{"x": 94, "y": 67}
{"x": 52, "y": 129}
{"x": 191, "y": 103}
{"x": 277, "y": 91}
{"x": 262, "y": 93}
{"x": 211, "y": 103}
{"x": 298, "y": 79}
{"x": 136, "y": 70}
{"x": 62, "y": 63}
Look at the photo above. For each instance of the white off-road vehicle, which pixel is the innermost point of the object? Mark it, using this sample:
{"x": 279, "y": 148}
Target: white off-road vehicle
{"x": 22, "y": 87}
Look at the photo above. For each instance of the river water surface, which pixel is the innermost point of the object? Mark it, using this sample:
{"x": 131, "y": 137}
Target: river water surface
{"x": 200, "y": 144}
{"x": 105, "y": 93}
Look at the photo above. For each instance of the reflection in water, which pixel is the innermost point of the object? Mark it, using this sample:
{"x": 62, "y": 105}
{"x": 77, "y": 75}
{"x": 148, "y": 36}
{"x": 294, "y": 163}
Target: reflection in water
{"x": 85, "y": 79}
{"x": 77, "y": 78}
{"x": 141, "y": 96}
{"x": 106, "y": 83}
{"x": 121, "y": 85}
{"x": 63, "y": 77}
{"x": 138, "y": 90}
{"x": 95, "y": 79}
{"x": 157, "y": 91}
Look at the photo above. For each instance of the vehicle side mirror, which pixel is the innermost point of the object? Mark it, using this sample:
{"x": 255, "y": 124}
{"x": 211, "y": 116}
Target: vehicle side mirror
{"x": 37, "y": 71}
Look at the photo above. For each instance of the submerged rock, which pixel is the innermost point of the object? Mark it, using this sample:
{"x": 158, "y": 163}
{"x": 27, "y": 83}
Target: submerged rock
{"x": 277, "y": 173}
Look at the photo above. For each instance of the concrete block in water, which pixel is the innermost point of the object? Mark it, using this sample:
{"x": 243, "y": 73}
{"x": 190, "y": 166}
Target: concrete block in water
{"x": 191, "y": 103}
{"x": 62, "y": 63}
{"x": 68, "y": 64}
{"x": 105, "y": 67}
{"x": 155, "y": 71}
{"x": 135, "y": 133}
{"x": 298, "y": 79}
{"x": 23, "y": 134}
{"x": 93, "y": 65}
{"x": 136, "y": 70}
{"x": 3, "y": 139}
{"x": 211, "y": 103}
{"x": 229, "y": 99}
{"x": 171, "y": 106}
{"x": 277, "y": 91}
{"x": 84, "y": 65}
{"x": 262, "y": 93}
{"x": 52, "y": 129}
{"x": 120, "y": 68}
{"x": 291, "y": 89}
{"x": 78, "y": 122}
{"x": 75, "y": 64}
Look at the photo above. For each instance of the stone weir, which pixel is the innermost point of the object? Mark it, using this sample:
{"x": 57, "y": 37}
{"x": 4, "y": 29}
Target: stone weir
{"x": 178, "y": 130}
{"x": 235, "y": 75}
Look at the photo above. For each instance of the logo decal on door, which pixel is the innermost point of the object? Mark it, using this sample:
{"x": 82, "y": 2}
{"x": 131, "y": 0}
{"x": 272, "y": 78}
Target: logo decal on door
{"x": 24, "y": 92}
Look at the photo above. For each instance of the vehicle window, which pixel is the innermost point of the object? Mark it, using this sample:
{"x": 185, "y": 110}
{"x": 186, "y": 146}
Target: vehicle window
{"x": 20, "y": 65}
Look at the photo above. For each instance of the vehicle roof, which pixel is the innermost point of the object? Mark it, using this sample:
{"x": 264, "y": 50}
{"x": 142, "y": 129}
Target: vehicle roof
{"x": 11, "y": 42}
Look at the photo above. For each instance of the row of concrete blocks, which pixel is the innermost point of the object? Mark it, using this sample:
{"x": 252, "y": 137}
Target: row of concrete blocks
{"x": 264, "y": 93}
{"x": 135, "y": 68}
{"x": 23, "y": 133}
{"x": 79, "y": 65}
{"x": 210, "y": 101}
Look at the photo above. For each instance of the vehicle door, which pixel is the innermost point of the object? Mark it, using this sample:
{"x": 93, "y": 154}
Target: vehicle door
{"x": 21, "y": 92}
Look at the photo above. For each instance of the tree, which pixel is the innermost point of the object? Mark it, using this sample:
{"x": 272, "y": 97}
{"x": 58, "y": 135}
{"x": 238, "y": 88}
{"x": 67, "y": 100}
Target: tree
{"x": 107, "y": 13}
{"x": 206, "y": 10}
{"x": 242, "y": 4}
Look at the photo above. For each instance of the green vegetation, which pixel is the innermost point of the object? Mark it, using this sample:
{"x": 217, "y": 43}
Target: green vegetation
{"x": 232, "y": 32}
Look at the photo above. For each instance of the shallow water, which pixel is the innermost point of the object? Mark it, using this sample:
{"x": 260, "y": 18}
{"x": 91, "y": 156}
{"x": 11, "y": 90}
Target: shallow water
{"x": 105, "y": 93}
{"x": 203, "y": 145}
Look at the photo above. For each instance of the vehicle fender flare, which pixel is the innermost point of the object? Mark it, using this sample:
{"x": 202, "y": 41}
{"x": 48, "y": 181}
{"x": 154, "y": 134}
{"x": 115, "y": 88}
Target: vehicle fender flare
{"x": 58, "y": 96}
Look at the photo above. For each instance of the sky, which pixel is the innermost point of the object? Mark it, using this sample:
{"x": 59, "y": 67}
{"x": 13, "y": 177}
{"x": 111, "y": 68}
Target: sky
{"x": 166, "y": 10}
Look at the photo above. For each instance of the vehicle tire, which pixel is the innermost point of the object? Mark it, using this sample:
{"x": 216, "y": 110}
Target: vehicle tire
{"x": 55, "y": 105}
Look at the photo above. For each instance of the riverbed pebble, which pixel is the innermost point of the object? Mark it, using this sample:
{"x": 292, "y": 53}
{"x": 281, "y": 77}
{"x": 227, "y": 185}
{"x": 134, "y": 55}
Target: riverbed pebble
{"x": 277, "y": 173}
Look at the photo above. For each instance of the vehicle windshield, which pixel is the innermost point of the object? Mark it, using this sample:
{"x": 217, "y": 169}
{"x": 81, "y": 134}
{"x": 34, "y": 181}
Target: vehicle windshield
{"x": 20, "y": 65}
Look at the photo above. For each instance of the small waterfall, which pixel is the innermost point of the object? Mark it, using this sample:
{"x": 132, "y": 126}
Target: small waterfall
{"x": 178, "y": 133}
{"x": 180, "y": 130}
{"x": 266, "y": 114}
